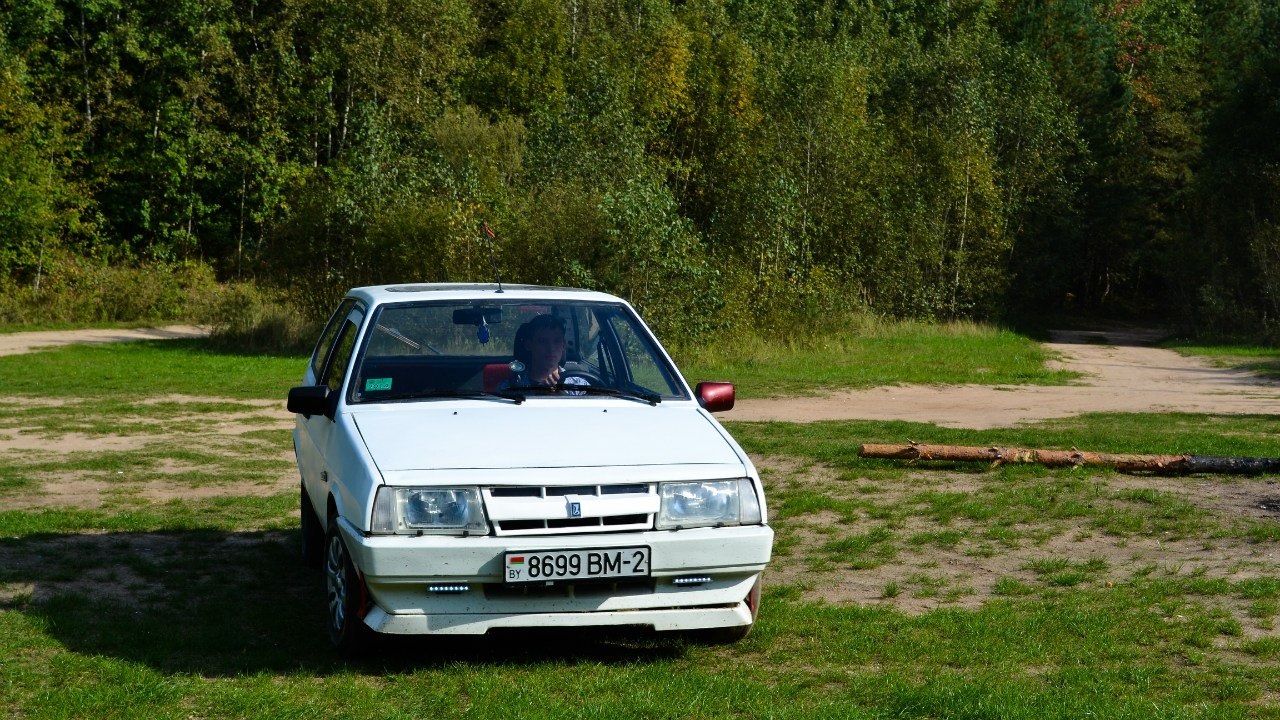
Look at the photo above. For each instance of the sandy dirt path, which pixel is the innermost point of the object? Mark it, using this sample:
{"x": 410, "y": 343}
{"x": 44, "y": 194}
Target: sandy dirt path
{"x": 24, "y": 342}
{"x": 1118, "y": 378}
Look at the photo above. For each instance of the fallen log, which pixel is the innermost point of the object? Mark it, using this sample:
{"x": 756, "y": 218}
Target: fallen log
{"x": 1171, "y": 464}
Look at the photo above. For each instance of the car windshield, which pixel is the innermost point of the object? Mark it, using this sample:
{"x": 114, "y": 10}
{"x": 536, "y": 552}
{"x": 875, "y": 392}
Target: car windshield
{"x": 513, "y": 349}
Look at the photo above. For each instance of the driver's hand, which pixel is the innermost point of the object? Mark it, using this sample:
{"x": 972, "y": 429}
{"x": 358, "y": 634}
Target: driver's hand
{"x": 553, "y": 378}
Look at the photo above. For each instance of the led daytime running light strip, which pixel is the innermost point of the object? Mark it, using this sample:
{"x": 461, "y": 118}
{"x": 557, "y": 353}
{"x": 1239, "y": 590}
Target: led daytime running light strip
{"x": 691, "y": 580}
{"x": 449, "y": 588}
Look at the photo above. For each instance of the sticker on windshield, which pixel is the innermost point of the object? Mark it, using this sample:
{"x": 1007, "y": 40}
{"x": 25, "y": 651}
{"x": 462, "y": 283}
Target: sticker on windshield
{"x": 377, "y": 384}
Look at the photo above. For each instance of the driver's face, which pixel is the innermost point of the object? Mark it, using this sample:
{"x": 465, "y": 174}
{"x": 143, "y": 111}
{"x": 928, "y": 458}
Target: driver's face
{"x": 546, "y": 347}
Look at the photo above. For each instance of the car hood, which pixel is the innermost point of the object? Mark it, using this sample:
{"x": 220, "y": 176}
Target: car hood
{"x": 543, "y": 436}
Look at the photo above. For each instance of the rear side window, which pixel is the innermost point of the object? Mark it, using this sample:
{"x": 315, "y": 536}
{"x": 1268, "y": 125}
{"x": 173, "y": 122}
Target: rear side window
{"x": 325, "y": 345}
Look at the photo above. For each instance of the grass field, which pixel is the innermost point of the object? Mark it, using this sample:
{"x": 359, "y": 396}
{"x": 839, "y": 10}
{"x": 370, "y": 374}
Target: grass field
{"x": 148, "y": 569}
{"x": 1264, "y": 361}
{"x": 878, "y": 354}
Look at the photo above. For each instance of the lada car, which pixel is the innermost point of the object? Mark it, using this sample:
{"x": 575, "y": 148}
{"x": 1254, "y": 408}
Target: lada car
{"x": 480, "y": 457}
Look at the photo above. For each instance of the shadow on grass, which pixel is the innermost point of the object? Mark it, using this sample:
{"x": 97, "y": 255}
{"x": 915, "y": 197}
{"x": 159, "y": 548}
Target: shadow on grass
{"x": 230, "y": 346}
{"x": 1269, "y": 369}
{"x": 230, "y": 603}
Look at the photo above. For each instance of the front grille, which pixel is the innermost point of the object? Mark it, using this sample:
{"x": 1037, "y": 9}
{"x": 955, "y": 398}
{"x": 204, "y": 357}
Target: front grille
{"x": 550, "y": 510}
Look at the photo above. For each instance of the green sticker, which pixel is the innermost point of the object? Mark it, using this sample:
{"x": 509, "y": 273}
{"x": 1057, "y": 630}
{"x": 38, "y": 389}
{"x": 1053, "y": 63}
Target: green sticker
{"x": 375, "y": 384}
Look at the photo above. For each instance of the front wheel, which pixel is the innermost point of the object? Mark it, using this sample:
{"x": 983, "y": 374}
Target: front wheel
{"x": 729, "y": 635}
{"x": 345, "y": 594}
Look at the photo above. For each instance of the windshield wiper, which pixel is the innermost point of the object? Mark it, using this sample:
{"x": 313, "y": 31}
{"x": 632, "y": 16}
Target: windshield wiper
{"x": 651, "y": 398}
{"x": 517, "y": 397}
{"x": 641, "y": 395}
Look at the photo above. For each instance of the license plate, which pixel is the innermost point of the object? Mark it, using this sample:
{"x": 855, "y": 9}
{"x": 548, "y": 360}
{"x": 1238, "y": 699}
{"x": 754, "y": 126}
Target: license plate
{"x": 552, "y": 566}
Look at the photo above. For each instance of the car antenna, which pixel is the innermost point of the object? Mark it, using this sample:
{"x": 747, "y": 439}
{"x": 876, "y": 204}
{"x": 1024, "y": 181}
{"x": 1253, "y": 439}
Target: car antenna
{"x": 488, "y": 237}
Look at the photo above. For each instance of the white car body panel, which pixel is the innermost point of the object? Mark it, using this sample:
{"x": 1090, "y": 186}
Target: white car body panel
{"x": 590, "y": 432}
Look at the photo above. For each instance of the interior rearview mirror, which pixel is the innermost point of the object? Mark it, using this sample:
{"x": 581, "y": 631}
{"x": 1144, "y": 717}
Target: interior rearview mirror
{"x": 474, "y": 315}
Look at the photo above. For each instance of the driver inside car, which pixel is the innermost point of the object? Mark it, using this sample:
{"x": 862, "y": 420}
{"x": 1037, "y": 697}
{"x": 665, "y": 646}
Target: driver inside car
{"x": 539, "y": 347}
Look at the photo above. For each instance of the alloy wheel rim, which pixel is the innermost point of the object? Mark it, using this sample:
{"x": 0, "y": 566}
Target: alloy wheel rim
{"x": 335, "y": 572}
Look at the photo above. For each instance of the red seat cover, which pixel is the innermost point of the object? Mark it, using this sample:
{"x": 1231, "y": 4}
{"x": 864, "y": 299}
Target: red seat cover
{"x": 494, "y": 375}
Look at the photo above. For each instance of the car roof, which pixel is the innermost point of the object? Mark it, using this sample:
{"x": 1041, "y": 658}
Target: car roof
{"x": 408, "y": 292}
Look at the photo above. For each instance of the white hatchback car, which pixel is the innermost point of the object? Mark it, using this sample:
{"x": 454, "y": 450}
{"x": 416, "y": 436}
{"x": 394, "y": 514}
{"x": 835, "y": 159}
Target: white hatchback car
{"x": 481, "y": 456}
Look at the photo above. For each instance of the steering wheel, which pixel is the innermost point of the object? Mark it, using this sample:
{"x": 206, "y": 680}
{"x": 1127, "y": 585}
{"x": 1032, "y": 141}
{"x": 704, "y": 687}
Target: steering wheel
{"x": 576, "y": 370}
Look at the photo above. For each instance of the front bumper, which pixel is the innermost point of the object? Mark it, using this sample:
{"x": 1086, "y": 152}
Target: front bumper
{"x": 398, "y": 571}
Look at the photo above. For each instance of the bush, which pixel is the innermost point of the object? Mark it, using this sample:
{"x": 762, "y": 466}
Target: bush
{"x": 245, "y": 317}
{"x": 83, "y": 292}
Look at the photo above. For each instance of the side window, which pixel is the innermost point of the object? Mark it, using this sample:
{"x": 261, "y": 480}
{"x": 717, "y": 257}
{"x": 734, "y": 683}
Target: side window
{"x": 638, "y": 361}
{"x": 341, "y": 357}
{"x": 325, "y": 345}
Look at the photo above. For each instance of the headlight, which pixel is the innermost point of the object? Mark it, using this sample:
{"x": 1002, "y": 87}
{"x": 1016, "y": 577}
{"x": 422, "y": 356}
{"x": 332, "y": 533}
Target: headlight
{"x": 706, "y": 504}
{"x": 439, "y": 511}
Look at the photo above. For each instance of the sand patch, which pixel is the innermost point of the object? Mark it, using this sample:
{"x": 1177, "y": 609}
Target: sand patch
{"x": 25, "y": 342}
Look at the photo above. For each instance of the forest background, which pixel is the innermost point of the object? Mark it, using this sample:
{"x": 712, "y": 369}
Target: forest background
{"x": 727, "y": 165}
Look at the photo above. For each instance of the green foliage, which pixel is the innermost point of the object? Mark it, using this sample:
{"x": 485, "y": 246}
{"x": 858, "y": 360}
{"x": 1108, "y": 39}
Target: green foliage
{"x": 245, "y": 318}
{"x": 75, "y": 290}
{"x": 37, "y": 201}
{"x": 726, "y": 165}
{"x": 651, "y": 257}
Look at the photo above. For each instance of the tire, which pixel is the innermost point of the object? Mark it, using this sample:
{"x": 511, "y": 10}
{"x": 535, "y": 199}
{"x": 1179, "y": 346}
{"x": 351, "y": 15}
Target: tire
{"x": 345, "y": 596}
{"x": 312, "y": 534}
{"x": 730, "y": 635}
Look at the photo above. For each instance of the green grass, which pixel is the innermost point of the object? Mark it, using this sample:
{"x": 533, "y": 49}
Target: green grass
{"x": 249, "y": 647}
{"x": 134, "y": 606}
{"x": 1264, "y": 361}
{"x": 1017, "y": 504}
{"x": 274, "y": 512}
{"x": 126, "y": 419}
{"x": 876, "y": 355}
{"x": 837, "y": 443}
{"x": 124, "y": 371}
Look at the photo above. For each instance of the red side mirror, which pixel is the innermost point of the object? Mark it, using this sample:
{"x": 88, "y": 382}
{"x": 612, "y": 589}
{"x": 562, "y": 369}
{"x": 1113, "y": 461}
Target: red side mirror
{"x": 715, "y": 396}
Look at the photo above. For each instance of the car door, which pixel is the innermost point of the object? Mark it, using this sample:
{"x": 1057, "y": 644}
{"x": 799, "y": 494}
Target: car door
{"x": 315, "y": 433}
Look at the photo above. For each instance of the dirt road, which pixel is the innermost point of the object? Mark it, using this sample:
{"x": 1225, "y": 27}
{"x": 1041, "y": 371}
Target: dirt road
{"x": 16, "y": 343}
{"x": 1117, "y": 378}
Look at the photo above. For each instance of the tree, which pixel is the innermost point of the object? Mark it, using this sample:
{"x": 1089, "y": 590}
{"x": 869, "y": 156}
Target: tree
{"x": 39, "y": 204}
